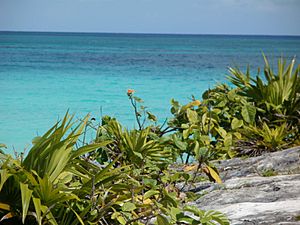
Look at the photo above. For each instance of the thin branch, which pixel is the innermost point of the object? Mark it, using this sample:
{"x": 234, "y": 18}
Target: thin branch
{"x": 165, "y": 121}
{"x": 165, "y": 131}
{"x": 144, "y": 119}
{"x": 133, "y": 103}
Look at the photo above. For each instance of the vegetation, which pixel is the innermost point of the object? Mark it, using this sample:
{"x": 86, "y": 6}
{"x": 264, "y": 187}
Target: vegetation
{"x": 122, "y": 178}
{"x": 129, "y": 176}
{"x": 269, "y": 173}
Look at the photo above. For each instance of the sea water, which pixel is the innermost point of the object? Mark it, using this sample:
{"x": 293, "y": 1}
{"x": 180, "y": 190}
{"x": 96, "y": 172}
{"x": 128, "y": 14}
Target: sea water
{"x": 42, "y": 75}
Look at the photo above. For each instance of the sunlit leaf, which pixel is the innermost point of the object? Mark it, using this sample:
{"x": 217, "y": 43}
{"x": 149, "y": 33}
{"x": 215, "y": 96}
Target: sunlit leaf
{"x": 128, "y": 207}
{"x": 236, "y": 123}
{"x": 192, "y": 116}
{"x": 150, "y": 193}
{"x": 248, "y": 113}
{"x": 26, "y": 197}
{"x": 214, "y": 174}
{"x": 161, "y": 220}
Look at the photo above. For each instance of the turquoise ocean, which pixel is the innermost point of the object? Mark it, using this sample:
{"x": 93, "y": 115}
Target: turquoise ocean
{"x": 42, "y": 75}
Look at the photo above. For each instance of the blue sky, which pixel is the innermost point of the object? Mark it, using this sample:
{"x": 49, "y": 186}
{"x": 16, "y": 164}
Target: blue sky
{"x": 271, "y": 17}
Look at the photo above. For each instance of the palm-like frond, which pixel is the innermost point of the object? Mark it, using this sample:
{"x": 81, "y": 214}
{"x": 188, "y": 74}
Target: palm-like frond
{"x": 277, "y": 92}
{"x": 41, "y": 181}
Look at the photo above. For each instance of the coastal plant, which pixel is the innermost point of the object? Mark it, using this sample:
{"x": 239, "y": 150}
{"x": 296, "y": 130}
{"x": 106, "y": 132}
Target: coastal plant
{"x": 211, "y": 125}
{"x": 36, "y": 189}
{"x": 261, "y": 114}
{"x": 265, "y": 138}
{"x": 198, "y": 216}
{"x": 141, "y": 113}
{"x": 58, "y": 182}
{"x": 149, "y": 153}
{"x": 2, "y": 147}
{"x": 135, "y": 147}
{"x": 129, "y": 176}
{"x": 276, "y": 94}
{"x": 276, "y": 98}
{"x": 269, "y": 173}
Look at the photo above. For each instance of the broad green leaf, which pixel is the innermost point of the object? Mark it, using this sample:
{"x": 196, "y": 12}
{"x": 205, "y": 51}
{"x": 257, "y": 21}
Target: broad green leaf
{"x": 248, "y": 113}
{"x": 204, "y": 118}
{"x": 184, "y": 126}
{"x": 174, "y": 212}
{"x": 150, "y": 193}
{"x": 205, "y": 139}
{"x": 217, "y": 216}
{"x": 206, "y": 220}
{"x": 26, "y": 197}
{"x": 196, "y": 150}
{"x": 121, "y": 220}
{"x": 216, "y": 111}
{"x": 128, "y": 207}
{"x": 150, "y": 182}
{"x": 192, "y": 209}
{"x": 115, "y": 215}
{"x": 161, "y": 220}
{"x": 170, "y": 198}
{"x": 222, "y": 132}
{"x": 186, "y": 176}
{"x": 192, "y": 116}
{"x": 228, "y": 140}
{"x": 236, "y": 123}
{"x": 151, "y": 116}
{"x": 188, "y": 220}
{"x": 180, "y": 144}
{"x": 237, "y": 135}
{"x": 221, "y": 104}
{"x": 186, "y": 133}
{"x": 137, "y": 99}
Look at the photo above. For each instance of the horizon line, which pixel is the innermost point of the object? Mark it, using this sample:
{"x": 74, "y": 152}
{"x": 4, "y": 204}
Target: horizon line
{"x": 147, "y": 33}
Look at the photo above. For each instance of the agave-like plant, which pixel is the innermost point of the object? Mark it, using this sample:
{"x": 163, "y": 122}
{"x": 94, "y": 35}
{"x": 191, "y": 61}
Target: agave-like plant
{"x": 137, "y": 147}
{"x": 267, "y": 138}
{"x": 276, "y": 98}
{"x": 277, "y": 94}
{"x": 36, "y": 188}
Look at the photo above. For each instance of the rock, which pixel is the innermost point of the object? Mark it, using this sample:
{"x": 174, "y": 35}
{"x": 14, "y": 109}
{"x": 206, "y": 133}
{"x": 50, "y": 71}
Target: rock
{"x": 283, "y": 162}
{"x": 248, "y": 196}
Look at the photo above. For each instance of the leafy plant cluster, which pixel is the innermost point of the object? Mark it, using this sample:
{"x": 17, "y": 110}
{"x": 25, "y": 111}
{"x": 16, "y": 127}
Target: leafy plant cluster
{"x": 131, "y": 176}
{"x": 251, "y": 116}
{"x": 276, "y": 98}
{"x": 123, "y": 177}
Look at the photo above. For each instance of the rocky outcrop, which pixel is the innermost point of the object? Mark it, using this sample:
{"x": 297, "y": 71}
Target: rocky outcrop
{"x": 259, "y": 190}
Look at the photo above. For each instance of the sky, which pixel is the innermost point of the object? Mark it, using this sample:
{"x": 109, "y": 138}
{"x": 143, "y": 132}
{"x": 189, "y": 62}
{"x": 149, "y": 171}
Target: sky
{"x": 266, "y": 17}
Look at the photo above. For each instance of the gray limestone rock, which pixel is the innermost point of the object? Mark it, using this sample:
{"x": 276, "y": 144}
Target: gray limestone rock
{"x": 249, "y": 195}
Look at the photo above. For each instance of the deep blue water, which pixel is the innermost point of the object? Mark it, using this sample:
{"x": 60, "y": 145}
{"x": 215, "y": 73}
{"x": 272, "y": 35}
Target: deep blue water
{"x": 44, "y": 74}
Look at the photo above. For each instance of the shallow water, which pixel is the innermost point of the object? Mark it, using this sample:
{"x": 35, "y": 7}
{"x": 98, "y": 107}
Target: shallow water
{"x": 44, "y": 74}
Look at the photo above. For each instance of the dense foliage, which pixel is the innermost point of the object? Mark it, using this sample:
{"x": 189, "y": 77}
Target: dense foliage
{"x": 129, "y": 176}
{"x": 122, "y": 178}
